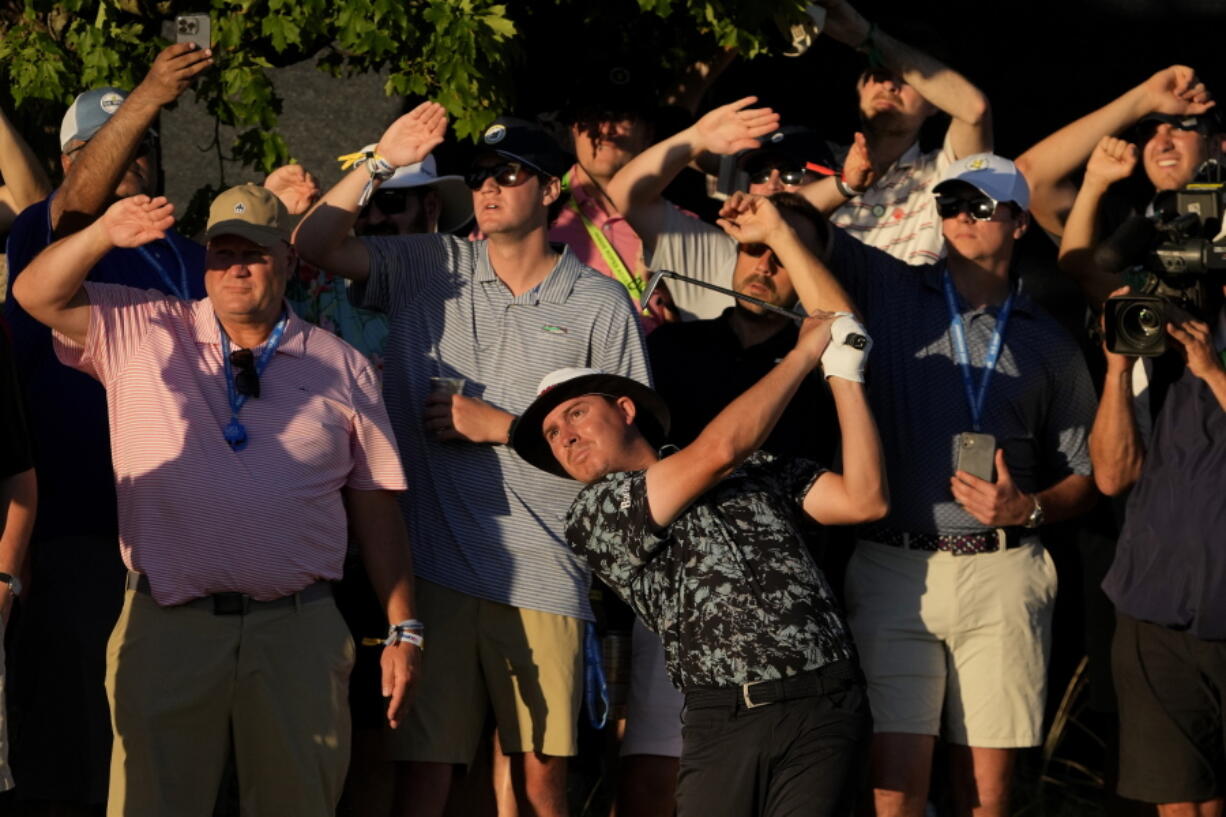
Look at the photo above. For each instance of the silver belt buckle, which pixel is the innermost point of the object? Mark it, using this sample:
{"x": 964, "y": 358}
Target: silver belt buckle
{"x": 749, "y": 704}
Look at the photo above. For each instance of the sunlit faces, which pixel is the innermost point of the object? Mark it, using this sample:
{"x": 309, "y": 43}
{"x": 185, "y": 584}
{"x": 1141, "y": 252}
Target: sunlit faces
{"x": 887, "y": 102}
{"x": 590, "y": 435}
{"x": 1172, "y": 156}
{"x": 245, "y": 280}
{"x": 604, "y": 145}
{"x": 969, "y": 234}
{"x": 518, "y": 204}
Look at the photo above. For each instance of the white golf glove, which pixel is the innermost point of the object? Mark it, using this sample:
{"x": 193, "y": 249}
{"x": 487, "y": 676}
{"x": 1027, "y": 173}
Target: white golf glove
{"x": 848, "y": 350}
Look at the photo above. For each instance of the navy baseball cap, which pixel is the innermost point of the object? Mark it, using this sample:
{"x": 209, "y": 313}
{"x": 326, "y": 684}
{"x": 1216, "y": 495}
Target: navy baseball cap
{"x": 799, "y": 147}
{"x": 528, "y": 143}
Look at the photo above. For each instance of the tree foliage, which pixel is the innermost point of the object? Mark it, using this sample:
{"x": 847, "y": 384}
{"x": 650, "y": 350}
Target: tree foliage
{"x": 470, "y": 55}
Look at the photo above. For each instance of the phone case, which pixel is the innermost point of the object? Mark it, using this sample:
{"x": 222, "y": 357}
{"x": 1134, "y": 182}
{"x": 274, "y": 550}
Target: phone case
{"x": 194, "y": 28}
{"x": 977, "y": 455}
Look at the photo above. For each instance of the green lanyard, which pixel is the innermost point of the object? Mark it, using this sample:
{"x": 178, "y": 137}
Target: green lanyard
{"x": 620, "y": 271}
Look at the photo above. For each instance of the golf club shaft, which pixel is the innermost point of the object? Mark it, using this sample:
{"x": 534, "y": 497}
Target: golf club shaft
{"x": 664, "y": 273}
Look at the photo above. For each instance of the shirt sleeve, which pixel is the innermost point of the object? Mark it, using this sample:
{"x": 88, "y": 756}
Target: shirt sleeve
{"x": 119, "y": 320}
{"x": 1070, "y": 416}
{"x": 792, "y": 477}
{"x": 376, "y": 463}
{"x": 609, "y": 526}
{"x": 399, "y": 265}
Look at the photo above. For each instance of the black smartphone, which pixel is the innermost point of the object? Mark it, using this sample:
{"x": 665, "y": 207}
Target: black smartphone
{"x": 194, "y": 28}
{"x": 976, "y": 454}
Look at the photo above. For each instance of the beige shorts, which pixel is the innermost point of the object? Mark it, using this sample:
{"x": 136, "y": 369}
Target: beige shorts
{"x": 961, "y": 641}
{"x": 653, "y": 709}
{"x": 525, "y": 664}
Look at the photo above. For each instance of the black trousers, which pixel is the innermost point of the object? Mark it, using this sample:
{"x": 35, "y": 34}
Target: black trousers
{"x": 805, "y": 756}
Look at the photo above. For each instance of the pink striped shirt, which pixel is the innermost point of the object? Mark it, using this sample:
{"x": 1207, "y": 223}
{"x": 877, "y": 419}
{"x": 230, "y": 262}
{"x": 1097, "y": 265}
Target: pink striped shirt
{"x": 195, "y": 516}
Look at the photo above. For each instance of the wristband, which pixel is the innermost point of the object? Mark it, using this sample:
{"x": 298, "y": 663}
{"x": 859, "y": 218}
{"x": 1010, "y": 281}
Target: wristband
{"x": 409, "y": 631}
{"x": 848, "y": 350}
{"x": 378, "y": 168}
{"x": 845, "y": 189}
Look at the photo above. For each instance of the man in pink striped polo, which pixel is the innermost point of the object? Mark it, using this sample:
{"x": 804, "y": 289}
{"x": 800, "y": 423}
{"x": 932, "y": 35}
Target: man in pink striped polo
{"x": 244, "y": 440}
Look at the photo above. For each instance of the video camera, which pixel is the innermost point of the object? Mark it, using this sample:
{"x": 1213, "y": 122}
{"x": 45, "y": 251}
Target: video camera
{"x": 1175, "y": 258}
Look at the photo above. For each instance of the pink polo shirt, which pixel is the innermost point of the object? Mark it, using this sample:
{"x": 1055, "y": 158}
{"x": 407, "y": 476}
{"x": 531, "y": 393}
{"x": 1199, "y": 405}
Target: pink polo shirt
{"x": 570, "y": 230}
{"x": 196, "y": 516}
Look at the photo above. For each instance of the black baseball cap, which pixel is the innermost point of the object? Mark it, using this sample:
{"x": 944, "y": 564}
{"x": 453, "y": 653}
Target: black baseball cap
{"x": 795, "y": 145}
{"x": 528, "y": 143}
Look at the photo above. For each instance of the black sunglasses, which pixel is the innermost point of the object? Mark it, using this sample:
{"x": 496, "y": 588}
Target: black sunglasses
{"x": 755, "y": 250}
{"x": 506, "y": 174}
{"x": 1145, "y": 131}
{"x": 390, "y": 202}
{"x": 981, "y": 208}
{"x": 246, "y": 379}
{"x": 789, "y": 177}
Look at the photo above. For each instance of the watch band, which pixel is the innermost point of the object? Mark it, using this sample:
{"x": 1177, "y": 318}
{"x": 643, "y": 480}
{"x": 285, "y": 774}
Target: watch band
{"x": 845, "y": 189}
{"x": 12, "y": 581}
{"x": 1036, "y": 516}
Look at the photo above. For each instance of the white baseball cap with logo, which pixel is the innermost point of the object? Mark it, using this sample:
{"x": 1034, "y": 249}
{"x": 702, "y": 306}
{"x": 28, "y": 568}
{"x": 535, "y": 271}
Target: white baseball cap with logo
{"x": 88, "y": 113}
{"x": 994, "y": 176}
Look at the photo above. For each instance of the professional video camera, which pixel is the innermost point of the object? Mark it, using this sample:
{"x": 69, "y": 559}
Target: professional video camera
{"x": 1175, "y": 258}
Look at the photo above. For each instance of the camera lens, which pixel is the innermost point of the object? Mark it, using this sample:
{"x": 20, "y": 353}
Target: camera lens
{"x": 1149, "y": 321}
{"x": 1140, "y": 325}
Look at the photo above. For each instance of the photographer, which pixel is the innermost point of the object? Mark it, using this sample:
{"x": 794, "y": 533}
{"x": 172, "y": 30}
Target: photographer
{"x": 1168, "y": 580}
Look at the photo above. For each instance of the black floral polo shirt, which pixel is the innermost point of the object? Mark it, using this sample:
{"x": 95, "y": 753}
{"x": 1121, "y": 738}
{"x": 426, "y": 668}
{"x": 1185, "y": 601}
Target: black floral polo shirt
{"x": 729, "y": 586}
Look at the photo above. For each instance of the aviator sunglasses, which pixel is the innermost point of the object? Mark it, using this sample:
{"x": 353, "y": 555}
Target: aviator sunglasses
{"x": 505, "y": 174}
{"x": 981, "y": 208}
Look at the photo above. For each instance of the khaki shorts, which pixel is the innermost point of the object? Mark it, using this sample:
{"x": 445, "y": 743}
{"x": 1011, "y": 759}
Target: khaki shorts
{"x": 958, "y": 639}
{"x": 653, "y": 711}
{"x": 526, "y": 664}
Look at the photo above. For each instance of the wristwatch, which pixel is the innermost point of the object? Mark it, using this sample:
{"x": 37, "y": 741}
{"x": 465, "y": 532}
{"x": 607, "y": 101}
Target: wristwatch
{"x": 1036, "y": 516}
{"x": 12, "y": 581}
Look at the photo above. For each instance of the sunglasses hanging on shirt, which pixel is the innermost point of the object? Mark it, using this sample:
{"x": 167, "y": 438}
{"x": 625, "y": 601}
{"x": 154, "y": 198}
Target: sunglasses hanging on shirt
{"x": 246, "y": 378}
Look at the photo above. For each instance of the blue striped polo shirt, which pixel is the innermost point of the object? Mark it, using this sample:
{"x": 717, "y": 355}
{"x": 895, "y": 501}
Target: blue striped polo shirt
{"x": 481, "y": 520}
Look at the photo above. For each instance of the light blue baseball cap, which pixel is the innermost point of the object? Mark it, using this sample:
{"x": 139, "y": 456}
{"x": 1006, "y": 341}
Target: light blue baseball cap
{"x": 994, "y": 176}
{"x": 88, "y": 113}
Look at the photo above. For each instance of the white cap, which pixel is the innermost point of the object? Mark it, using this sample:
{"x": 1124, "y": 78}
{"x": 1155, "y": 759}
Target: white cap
{"x": 455, "y": 199}
{"x": 559, "y": 376}
{"x": 994, "y": 176}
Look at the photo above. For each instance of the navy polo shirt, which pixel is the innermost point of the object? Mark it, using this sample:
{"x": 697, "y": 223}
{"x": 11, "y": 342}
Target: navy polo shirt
{"x": 1170, "y": 563}
{"x": 68, "y": 417}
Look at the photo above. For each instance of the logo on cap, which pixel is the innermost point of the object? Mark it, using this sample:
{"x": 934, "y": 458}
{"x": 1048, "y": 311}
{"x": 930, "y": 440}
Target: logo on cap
{"x": 110, "y": 102}
{"x": 495, "y": 134}
{"x": 977, "y": 164}
{"x": 619, "y": 76}
{"x": 240, "y": 208}
{"x": 777, "y": 136}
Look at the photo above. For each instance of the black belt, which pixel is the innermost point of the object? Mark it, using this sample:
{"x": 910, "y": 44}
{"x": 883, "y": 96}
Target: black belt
{"x": 830, "y": 678}
{"x": 236, "y": 604}
{"x": 959, "y": 544}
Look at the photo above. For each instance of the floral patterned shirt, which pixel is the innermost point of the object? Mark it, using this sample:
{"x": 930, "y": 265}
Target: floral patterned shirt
{"x": 322, "y": 299}
{"x": 729, "y": 586}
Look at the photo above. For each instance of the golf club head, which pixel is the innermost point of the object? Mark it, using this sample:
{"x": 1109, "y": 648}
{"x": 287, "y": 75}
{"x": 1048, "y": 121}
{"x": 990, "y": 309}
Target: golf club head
{"x": 652, "y": 283}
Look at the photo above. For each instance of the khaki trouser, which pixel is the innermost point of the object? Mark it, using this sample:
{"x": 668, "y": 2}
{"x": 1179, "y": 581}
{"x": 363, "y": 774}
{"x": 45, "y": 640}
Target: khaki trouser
{"x": 181, "y": 681}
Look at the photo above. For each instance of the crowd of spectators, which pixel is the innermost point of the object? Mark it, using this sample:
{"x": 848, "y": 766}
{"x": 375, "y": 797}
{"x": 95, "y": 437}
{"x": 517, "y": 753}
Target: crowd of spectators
{"x": 364, "y": 487}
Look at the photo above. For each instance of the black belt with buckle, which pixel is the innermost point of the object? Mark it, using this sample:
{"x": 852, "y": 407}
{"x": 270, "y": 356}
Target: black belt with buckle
{"x": 236, "y": 604}
{"x": 959, "y": 544}
{"x": 830, "y": 678}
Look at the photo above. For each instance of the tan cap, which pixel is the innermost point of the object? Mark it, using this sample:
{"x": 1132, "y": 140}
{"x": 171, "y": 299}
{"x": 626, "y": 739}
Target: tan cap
{"x": 252, "y": 212}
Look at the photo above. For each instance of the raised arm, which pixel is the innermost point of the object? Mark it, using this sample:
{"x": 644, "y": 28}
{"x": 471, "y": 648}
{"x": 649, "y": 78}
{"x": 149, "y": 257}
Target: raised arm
{"x": 51, "y": 287}
{"x": 1113, "y": 159}
{"x": 637, "y": 188}
{"x": 99, "y": 166}
{"x": 25, "y": 181}
{"x": 756, "y": 219}
{"x": 323, "y": 237}
{"x": 736, "y": 432}
{"x": 971, "y": 129}
{"x": 1116, "y": 449}
{"x": 1048, "y": 165}
{"x": 857, "y": 175}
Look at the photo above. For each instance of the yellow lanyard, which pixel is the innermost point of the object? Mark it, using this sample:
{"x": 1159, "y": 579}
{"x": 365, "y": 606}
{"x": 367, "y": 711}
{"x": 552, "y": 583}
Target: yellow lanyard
{"x": 620, "y": 271}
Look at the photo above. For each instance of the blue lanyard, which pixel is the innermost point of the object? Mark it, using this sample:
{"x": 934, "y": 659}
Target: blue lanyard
{"x": 181, "y": 290}
{"x": 595, "y": 687}
{"x": 235, "y": 432}
{"x": 957, "y": 329}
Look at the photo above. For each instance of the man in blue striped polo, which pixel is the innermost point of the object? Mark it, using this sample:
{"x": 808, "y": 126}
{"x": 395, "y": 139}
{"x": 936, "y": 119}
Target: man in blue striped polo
{"x": 502, "y": 594}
